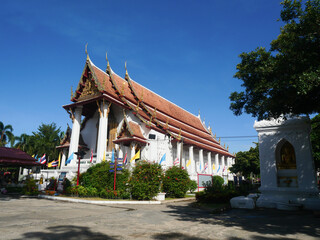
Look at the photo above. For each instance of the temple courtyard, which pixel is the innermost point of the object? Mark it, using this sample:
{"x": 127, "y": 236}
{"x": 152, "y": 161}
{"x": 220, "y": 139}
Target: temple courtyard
{"x": 33, "y": 218}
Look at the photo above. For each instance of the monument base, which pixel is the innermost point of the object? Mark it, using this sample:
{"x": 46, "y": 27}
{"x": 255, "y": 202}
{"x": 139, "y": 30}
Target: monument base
{"x": 289, "y": 199}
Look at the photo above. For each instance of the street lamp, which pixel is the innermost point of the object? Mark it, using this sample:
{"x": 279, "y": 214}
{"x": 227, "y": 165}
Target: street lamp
{"x": 80, "y": 154}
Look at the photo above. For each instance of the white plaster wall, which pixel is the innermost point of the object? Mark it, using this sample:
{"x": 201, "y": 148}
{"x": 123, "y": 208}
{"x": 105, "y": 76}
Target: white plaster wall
{"x": 296, "y": 133}
{"x": 89, "y": 134}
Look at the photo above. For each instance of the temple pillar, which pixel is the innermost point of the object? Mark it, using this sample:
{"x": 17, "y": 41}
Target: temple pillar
{"x": 192, "y": 165}
{"x": 133, "y": 152}
{"x": 120, "y": 151}
{"x": 103, "y": 109}
{"x": 75, "y": 135}
{"x": 216, "y": 162}
{"x": 209, "y": 163}
{"x": 179, "y": 145}
{"x": 201, "y": 161}
{"x": 223, "y": 165}
{"x": 63, "y": 158}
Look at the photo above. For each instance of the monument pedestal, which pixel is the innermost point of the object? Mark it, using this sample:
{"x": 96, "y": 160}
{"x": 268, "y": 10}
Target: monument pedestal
{"x": 288, "y": 178}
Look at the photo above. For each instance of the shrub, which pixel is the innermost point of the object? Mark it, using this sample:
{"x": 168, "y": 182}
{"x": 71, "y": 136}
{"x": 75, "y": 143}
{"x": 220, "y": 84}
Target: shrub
{"x": 193, "y": 185}
{"x": 82, "y": 191}
{"x": 176, "y": 182}
{"x": 99, "y": 177}
{"x": 217, "y": 182}
{"x": 66, "y": 184}
{"x": 92, "y": 192}
{"x": 216, "y": 192}
{"x": 30, "y": 188}
{"x": 145, "y": 180}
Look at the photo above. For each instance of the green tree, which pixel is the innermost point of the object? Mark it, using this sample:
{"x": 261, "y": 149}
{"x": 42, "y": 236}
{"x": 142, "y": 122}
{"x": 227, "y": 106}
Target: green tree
{"x": 45, "y": 141}
{"x": 21, "y": 142}
{"x": 286, "y": 78}
{"x": 6, "y": 134}
{"x": 247, "y": 162}
{"x": 315, "y": 139}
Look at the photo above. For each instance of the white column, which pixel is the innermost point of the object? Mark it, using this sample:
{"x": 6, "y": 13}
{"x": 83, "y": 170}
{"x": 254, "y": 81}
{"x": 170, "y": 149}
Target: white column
{"x": 63, "y": 158}
{"x": 201, "y": 160}
{"x": 75, "y": 135}
{"x": 133, "y": 152}
{"x": 209, "y": 163}
{"x": 223, "y": 165}
{"x": 192, "y": 165}
{"x": 216, "y": 162}
{"x": 178, "y": 153}
{"x": 120, "y": 153}
{"x": 102, "y": 133}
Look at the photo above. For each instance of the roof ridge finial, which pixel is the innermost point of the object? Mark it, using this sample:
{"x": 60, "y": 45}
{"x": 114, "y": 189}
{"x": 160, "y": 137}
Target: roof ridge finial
{"x": 86, "y": 51}
{"x": 127, "y": 77}
{"x": 108, "y": 64}
{"x": 199, "y": 114}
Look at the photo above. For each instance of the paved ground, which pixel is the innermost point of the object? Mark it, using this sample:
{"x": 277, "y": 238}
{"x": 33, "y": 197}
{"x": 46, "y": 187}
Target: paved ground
{"x": 26, "y": 218}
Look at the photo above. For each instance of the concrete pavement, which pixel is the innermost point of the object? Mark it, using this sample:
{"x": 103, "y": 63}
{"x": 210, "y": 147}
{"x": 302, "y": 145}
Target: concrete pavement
{"x": 32, "y": 218}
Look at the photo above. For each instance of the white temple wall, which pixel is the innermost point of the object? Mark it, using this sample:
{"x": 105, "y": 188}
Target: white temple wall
{"x": 89, "y": 134}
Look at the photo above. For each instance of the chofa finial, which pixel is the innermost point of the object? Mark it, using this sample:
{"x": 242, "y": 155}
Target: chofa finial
{"x": 108, "y": 65}
{"x": 86, "y": 50}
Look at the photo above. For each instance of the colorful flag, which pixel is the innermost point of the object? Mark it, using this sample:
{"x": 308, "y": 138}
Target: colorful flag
{"x": 112, "y": 156}
{"x": 162, "y": 159}
{"x": 176, "y": 161}
{"x": 125, "y": 159}
{"x": 69, "y": 159}
{"x": 224, "y": 168}
{"x": 53, "y": 163}
{"x": 59, "y": 160}
{"x": 43, "y": 159}
{"x": 104, "y": 156}
{"x": 218, "y": 169}
{"x": 91, "y": 158}
{"x": 137, "y": 156}
{"x": 188, "y": 163}
{"x": 205, "y": 167}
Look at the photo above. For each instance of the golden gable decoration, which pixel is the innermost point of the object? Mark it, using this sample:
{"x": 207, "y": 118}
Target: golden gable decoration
{"x": 89, "y": 90}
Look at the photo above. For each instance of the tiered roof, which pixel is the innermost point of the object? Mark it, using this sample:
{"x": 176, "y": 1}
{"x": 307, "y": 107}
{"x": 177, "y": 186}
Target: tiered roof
{"x": 155, "y": 111}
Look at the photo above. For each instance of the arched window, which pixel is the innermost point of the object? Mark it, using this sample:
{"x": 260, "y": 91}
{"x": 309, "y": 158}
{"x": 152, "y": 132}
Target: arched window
{"x": 286, "y": 158}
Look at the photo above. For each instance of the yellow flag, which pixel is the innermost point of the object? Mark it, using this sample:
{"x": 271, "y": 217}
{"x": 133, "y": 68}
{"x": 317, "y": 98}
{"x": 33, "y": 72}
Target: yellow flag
{"x": 33, "y": 155}
{"x": 104, "y": 156}
{"x": 137, "y": 156}
{"x": 59, "y": 160}
{"x": 188, "y": 163}
{"x": 213, "y": 167}
{"x": 50, "y": 164}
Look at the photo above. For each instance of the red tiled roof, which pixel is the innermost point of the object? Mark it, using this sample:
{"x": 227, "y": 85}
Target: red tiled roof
{"x": 136, "y": 130}
{"x": 120, "y": 90}
{"x": 16, "y": 157}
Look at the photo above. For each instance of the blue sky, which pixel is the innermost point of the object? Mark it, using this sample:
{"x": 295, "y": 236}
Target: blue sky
{"x": 185, "y": 51}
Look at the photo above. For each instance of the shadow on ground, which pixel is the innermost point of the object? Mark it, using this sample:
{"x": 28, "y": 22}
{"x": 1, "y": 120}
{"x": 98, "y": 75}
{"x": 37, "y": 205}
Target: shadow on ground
{"x": 260, "y": 221}
{"x": 68, "y": 232}
{"x": 8, "y": 197}
{"x": 175, "y": 236}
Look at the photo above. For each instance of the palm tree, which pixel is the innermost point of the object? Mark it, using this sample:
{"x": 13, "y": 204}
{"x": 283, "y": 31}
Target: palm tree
{"x": 6, "y": 134}
{"x": 22, "y": 142}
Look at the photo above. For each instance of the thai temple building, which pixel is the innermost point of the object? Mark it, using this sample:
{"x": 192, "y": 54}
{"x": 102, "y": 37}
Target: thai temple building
{"x": 114, "y": 114}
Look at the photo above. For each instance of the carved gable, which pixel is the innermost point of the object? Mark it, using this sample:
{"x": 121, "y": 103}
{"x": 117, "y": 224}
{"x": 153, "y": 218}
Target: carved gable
{"x": 89, "y": 90}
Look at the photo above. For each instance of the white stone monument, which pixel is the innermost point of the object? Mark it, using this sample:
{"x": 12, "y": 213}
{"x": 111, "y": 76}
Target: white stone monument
{"x": 288, "y": 177}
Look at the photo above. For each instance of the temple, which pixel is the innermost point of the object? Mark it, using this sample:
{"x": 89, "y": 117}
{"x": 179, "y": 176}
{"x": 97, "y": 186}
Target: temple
{"x": 110, "y": 113}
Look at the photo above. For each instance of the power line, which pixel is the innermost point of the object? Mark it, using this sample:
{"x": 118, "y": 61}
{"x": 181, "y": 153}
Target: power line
{"x": 239, "y": 137}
